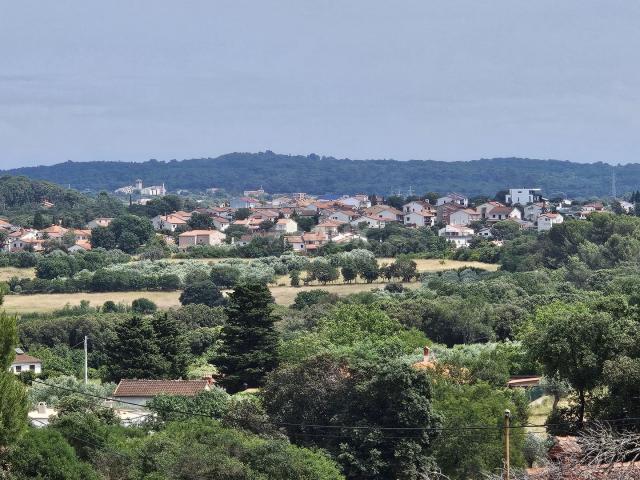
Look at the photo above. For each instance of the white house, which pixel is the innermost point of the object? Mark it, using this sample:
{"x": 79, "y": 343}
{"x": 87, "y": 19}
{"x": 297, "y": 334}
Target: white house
{"x": 453, "y": 198}
{"x": 384, "y": 212}
{"x": 459, "y": 235}
{"x": 25, "y": 363}
{"x": 486, "y": 207}
{"x": 243, "y": 202}
{"x": 504, "y": 213}
{"x": 417, "y": 206}
{"x": 341, "y": 215}
{"x": 626, "y": 206}
{"x": 139, "y": 392}
{"x": 420, "y": 219}
{"x": 485, "y": 233}
{"x": 371, "y": 222}
{"x": 220, "y": 223}
{"x": 286, "y": 225}
{"x": 523, "y": 196}
{"x": 357, "y": 201}
{"x": 200, "y": 237}
{"x": 548, "y": 220}
{"x": 464, "y": 216}
{"x": 533, "y": 211}
{"x": 170, "y": 222}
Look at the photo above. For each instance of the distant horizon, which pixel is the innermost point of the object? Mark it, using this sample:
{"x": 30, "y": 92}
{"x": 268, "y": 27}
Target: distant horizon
{"x": 167, "y": 160}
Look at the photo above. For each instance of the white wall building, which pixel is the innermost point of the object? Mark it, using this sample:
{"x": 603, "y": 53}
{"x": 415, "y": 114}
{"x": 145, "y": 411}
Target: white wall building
{"x": 548, "y": 220}
{"x": 523, "y": 196}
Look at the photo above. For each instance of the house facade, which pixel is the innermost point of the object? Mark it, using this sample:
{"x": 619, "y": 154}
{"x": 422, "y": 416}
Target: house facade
{"x": 523, "y": 196}
{"x": 139, "y": 392}
{"x": 200, "y": 237}
{"x": 548, "y": 220}
{"x": 25, "y": 363}
{"x": 459, "y": 235}
{"x": 464, "y": 216}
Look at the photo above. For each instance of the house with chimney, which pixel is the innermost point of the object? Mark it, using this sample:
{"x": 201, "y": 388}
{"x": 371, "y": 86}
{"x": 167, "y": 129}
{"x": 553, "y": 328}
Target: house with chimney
{"x": 25, "y": 363}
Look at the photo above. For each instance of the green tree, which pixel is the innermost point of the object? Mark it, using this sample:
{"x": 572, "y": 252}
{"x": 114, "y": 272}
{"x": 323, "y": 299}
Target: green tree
{"x": 134, "y": 352}
{"x": 249, "y": 339}
{"x": 171, "y": 341}
{"x": 204, "y": 292}
{"x": 573, "y": 343}
{"x": 128, "y": 242}
{"x": 143, "y": 305}
{"x": 373, "y": 396}
{"x": 13, "y": 396}
{"x": 103, "y": 237}
{"x": 224, "y": 276}
{"x": 295, "y": 278}
{"x": 349, "y": 272}
{"x": 370, "y": 271}
{"x": 323, "y": 271}
{"x": 242, "y": 214}
{"x": 39, "y": 222}
{"x": 44, "y": 454}
{"x": 200, "y": 221}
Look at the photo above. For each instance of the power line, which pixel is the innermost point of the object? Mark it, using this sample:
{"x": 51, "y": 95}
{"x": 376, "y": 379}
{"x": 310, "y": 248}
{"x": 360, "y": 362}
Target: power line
{"x": 629, "y": 420}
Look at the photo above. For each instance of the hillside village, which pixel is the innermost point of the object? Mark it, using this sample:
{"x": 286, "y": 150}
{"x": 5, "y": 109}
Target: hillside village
{"x": 338, "y": 219}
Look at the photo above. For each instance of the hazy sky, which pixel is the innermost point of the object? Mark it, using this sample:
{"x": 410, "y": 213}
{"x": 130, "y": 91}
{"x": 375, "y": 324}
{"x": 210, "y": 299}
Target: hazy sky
{"x": 447, "y": 80}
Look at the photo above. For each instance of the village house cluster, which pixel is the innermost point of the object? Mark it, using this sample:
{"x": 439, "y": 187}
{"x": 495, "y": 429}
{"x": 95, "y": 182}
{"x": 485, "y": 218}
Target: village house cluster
{"x": 336, "y": 218}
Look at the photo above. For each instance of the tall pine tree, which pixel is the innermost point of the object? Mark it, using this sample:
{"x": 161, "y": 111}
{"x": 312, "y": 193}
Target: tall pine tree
{"x": 249, "y": 339}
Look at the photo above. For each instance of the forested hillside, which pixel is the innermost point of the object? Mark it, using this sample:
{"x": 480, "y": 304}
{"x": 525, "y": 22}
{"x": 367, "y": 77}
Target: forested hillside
{"x": 284, "y": 173}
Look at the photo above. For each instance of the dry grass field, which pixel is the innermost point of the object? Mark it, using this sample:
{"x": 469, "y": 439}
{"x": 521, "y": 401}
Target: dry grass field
{"x": 46, "y": 302}
{"x": 435, "y": 265}
{"x": 284, "y": 294}
{"x": 7, "y": 272}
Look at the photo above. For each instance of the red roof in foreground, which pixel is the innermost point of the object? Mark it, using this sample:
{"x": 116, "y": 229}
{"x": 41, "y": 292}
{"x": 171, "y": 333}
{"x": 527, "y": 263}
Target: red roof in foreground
{"x": 150, "y": 388}
{"x": 24, "y": 358}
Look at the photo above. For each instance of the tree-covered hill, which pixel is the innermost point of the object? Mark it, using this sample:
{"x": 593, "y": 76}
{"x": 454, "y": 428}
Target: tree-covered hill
{"x": 285, "y": 173}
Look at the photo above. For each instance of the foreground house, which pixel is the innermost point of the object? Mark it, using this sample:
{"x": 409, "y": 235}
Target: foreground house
{"x": 139, "y": 392}
{"x": 418, "y": 206}
{"x": 384, "y": 213}
{"x": 171, "y": 222}
{"x": 25, "y": 363}
{"x": 200, "y": 237}
{"x": 307, "y": 242}
{"x": 459, "y": 235}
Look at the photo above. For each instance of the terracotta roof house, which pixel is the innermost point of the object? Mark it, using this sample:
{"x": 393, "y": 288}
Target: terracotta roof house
{"x": 459, "y": 235}
{"x": 383, "y": 212}
{"x": 54, "y": 231}
{"x": 417, "y": 206}
{"x": 25, "y": 363}
{"x": 139, "y": 392}
{"x": 504, "y": 213}
{"x": 200, "y": 237}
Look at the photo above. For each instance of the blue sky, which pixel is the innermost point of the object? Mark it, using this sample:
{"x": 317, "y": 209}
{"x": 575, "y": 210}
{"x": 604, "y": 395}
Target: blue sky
{"x": 444, "y": 80}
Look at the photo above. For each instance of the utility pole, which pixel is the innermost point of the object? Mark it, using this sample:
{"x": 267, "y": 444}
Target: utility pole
{"x": 507, "y": 456}
{"x": 86, "y": 374}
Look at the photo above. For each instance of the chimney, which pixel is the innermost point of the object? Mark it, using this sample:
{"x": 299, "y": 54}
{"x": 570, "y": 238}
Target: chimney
{"x": 42, "y": 408}
{"x": 425, "y": 354}
{"x": 208, "y": 378}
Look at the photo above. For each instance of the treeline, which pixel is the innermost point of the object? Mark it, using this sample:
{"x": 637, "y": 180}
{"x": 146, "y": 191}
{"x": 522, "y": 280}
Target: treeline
{"x": 236, "y": 172}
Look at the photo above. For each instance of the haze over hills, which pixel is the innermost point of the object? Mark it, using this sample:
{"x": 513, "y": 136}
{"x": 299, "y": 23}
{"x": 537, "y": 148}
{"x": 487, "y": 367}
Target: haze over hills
{"x": 235, "y": 172}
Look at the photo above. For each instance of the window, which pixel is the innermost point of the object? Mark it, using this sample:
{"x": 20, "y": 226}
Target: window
{"x": 32, "y": 368}
{"x": 18, "y": 368}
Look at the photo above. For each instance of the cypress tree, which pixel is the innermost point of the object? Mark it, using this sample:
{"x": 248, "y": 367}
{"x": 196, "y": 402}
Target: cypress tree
{"x": 134, "y": 352}
{"x": 249, "y": 339}
{"x": 172, "y": 345}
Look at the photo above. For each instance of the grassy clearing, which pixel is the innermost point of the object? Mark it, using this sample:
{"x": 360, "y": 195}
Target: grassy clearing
{"x": 47, "y": 302}
{"x": 435, "y": 265}
{"x": 284, "y": 294}
{"x": 7, "y": 272}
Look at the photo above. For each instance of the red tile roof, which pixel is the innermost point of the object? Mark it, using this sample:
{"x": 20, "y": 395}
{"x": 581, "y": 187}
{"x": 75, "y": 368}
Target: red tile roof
{"x": 24, "y": 358}
{"x": 150, "y": 388}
